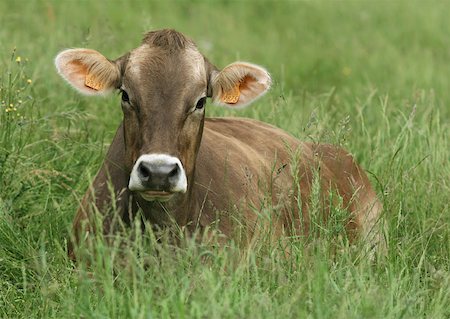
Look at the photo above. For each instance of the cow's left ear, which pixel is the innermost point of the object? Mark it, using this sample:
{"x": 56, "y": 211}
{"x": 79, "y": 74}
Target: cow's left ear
{"x": 239, "y": 84}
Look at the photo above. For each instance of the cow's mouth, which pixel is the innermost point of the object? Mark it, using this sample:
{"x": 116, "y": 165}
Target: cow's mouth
{"x": 160, "y": 196}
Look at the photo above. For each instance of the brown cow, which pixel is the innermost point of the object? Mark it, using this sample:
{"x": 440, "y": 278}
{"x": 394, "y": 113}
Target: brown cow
{"x": 178, "y": 167}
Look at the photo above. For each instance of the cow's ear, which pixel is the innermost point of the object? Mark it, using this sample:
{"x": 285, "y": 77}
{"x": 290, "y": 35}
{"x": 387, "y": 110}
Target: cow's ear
{"x": 88, "y": 71}
{"x": 239, "y": 84}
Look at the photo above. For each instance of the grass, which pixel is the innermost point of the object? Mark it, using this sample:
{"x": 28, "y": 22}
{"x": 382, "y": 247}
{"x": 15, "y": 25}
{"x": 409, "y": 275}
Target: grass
{"x": 370, "y": 76}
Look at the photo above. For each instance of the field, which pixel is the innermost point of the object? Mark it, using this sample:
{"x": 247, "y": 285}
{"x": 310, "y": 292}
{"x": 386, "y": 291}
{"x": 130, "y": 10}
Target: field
{"x": 370, "y": 76}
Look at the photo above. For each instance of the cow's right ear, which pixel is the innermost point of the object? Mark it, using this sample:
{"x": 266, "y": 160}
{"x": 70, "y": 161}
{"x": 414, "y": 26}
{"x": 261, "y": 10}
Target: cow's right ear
{"x": 88, "y": 71}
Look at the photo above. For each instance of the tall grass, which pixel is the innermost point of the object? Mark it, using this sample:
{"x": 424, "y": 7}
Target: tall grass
{"x": 370, "y": 76}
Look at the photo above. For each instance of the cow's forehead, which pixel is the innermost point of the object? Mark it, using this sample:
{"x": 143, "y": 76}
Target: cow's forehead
{"x": 139, "y": 57}
{"x": 146, "y": 57}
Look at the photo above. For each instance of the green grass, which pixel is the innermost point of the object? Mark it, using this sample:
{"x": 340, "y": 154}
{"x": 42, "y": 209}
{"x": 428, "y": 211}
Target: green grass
{"x": 371, "y": 76}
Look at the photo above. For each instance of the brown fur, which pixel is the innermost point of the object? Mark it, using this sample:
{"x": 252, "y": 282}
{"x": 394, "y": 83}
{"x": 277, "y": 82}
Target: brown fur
{"x": 167, "y": 39}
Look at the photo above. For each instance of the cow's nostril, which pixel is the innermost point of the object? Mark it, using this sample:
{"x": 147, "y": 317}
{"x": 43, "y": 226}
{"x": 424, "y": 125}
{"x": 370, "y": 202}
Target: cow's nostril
{"x": 173, "y": 172}
{"x": 144, "y": 171}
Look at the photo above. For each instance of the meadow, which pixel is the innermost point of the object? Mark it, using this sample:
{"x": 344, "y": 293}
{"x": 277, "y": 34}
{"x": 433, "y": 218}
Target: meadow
{"x": 370, "y": 76}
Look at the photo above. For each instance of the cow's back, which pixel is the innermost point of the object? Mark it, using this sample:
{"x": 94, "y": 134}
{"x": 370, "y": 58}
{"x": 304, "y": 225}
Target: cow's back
{"x": 245, "y": 165}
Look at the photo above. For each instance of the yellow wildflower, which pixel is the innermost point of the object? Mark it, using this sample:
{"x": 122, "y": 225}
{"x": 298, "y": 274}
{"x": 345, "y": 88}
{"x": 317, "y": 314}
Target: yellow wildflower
{"x": 18, "y": 59}
{"x": 29, "y": 81}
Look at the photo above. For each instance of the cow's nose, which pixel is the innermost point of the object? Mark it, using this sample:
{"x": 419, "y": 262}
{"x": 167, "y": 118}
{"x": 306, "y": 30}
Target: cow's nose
{"x": 158, "y": 172}
{"x": 158, "y": 176}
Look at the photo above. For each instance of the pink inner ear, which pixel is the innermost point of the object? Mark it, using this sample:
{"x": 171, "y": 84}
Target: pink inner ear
{"x": 78, "y": 67}
{"x": 246, "y": 82}
{"x": 76, "y": 72}
{"x": 251, "y": 84}
{"x": 250, "y": 89}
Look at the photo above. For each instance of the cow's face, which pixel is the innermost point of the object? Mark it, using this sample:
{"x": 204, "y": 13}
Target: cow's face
{"x": 163, "y": 100}
{"x": 164, "y": 85}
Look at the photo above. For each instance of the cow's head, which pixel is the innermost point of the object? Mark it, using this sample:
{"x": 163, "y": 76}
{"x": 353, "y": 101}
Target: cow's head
{"x": 164, "y": 85}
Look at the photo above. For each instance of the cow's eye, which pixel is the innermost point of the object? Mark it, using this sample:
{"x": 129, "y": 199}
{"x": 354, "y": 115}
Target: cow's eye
{"x": 125, "y": 97}
{"x": 201, "y": 103}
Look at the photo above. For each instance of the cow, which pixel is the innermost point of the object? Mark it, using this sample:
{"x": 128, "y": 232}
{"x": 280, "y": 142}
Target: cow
{"x": 177, "y": 167}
